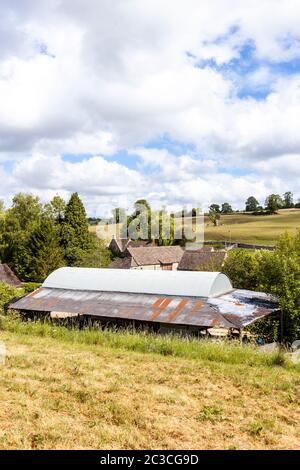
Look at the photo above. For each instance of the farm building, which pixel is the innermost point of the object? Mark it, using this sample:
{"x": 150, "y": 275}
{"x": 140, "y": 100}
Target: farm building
{"x": 202, "y": 260}
{"x": 150, "y": 257}
{"x": 187, "y": 301}
{"x": 118, "y": 246}
{"x": 9, "y": 277}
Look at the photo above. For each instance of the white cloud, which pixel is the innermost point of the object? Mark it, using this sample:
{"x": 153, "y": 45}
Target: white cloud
{"x": 104, "y": 184}
{"x": 94, "y": 77}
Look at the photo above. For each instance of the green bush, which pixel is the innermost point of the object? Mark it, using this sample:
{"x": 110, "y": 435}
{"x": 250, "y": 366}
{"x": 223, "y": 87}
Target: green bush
{"x": 7, "y": 293}
{"x": 276, "y": 272}
{"x": 31, "y": 286}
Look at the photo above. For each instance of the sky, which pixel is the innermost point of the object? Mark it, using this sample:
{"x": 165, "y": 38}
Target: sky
{"x": 179, "y": 102}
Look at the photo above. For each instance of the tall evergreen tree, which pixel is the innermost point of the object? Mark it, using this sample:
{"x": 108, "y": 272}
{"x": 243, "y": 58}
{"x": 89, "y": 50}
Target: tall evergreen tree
{"x": 76, "y": 238}
{"x": 44, "y": 253}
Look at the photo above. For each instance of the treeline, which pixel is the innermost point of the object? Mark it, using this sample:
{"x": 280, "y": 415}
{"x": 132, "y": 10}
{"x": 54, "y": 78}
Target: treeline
{"x": 37, "y": 238}
{"x": 276, "y": 272}
{"x": 272, "y": 204}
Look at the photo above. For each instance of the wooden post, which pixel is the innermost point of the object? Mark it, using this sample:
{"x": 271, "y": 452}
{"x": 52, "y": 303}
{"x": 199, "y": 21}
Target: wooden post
{"x": 241, "y": 335}
{"x": 281, "y": 326}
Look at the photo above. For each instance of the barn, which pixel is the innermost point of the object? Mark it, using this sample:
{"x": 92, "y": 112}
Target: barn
{"x": 194, "y": 302}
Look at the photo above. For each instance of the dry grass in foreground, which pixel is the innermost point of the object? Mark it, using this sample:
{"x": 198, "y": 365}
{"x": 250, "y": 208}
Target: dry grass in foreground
{"x": 57, "y": 394}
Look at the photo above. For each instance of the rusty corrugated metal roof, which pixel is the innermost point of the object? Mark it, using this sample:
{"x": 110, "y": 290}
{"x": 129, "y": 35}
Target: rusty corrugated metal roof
{"x": 234, "y": 310}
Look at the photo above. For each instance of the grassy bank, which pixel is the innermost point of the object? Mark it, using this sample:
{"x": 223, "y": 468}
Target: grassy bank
{"x": 102, "y": 390}
{"x": 230, "y": 352}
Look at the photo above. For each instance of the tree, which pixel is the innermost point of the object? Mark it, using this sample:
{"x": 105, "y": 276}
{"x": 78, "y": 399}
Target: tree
{"x": 26, "y": 209}
{"x": 55, "y": 209}
{"x": 288, "y": 200}
{"x": 140, "y": 221}
{"x": 119, "y": 215}
{"x": 276, "y": 272}
{"x": 273, "y": 203}
{"x": 164, "y": 227}
{"x": 226, "y": 208}
{"x": 141, "y": 202}
{"x": 215, "y": 207}
{"x": 2, "y": 222}
{"x": 241, "y": 266}
{"x": 7, "y": 294}
{"x": 251, "y": 204}
{"x": 214, "y": 216}
{"x": 20, "y": 220}
{"x": 44, "y": 251}
{"x": 99, "y": 256}
{"x": 76, "y": 238}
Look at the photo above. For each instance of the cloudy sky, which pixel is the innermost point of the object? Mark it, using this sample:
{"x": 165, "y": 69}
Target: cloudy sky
{"x": 178, "y": 101}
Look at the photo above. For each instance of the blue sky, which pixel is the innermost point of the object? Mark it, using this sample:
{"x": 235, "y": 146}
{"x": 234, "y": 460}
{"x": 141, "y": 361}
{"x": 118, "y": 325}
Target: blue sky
{"x": 183, "y": 102}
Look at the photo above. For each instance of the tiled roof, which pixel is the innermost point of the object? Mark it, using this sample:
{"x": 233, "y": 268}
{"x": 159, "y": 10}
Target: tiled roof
{"x": 124, "y": 243}
{"x": 150, "y": 255}
{"x": 123, "y": 263}
{"x": 202, "y": 260}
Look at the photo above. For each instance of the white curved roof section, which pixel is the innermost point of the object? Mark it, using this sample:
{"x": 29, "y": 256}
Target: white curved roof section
{"x": 176, "y": 283}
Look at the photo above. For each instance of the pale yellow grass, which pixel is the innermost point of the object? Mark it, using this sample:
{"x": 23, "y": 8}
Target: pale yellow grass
{"x": 58, "y": 395}
{"x": 106, "y": 232}
{"x": 239, "y": 227}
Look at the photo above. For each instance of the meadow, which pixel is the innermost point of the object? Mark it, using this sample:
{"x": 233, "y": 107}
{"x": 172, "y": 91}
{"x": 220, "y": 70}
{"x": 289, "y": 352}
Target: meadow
{"x": 241, "y": 227}
{"x": 88, "y": 389}
{"x": 254, "y": 229}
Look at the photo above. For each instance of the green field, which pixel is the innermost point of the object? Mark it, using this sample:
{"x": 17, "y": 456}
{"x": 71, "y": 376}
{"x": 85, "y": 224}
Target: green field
{"x": 246, "y": 228}
{"x": 85, "y": 389}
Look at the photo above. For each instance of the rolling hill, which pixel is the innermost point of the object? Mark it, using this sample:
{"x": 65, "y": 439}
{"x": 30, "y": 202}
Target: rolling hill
{"x": 244, "y": 227}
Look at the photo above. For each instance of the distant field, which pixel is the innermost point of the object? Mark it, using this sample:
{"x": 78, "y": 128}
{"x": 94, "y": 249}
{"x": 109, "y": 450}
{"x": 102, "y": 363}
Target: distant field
{"x": 106, "y": 231}
{"x": 102, "y": 390}
{"x": 246, "y": 228}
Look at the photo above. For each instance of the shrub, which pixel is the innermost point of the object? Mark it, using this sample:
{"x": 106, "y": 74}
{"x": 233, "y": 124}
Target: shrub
{"x": 31, "y": 286}
{"x": 7, "y": 293}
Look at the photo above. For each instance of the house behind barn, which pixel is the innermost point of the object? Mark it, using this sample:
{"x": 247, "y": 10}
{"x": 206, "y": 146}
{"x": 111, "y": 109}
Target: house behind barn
{"x": 202, "y": 260}
{"x": 118, "y": 246}
{"x": 165, "y": 258}
{"x": 9, "y": 277}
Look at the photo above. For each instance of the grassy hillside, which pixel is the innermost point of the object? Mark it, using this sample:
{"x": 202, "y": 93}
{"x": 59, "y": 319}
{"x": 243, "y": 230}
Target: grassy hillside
{"x": 102, "y": 390}
{"x": 248, "y": 228}
{"x": 245, "y": 228}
